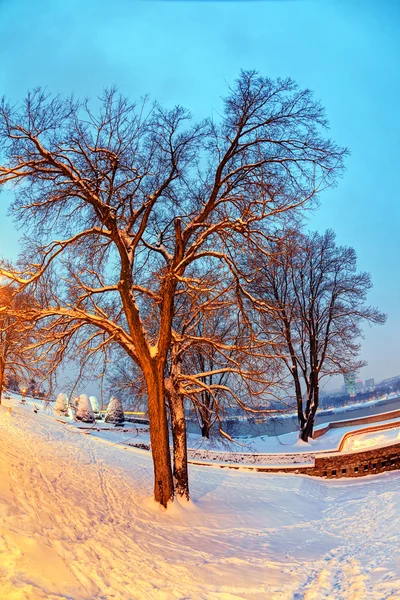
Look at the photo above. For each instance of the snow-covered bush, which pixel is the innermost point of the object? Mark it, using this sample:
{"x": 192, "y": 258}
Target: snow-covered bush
{"x": 115, "y": 412}
{"x": 95, "y": 405}
{"x": 84, "y": 411}
{"x": 61, "y": 406}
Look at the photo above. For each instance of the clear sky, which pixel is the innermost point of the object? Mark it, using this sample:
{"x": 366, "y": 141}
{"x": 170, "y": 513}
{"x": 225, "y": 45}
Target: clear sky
{"x": 186, "y": 51}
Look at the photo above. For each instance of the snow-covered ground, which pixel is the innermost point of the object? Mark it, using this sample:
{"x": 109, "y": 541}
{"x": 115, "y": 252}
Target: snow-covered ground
{"x": 264, "y": 450}
{"x": 288, "y": 442}
{"x": 364, "y": 441}
{"x": 77, "y": 522}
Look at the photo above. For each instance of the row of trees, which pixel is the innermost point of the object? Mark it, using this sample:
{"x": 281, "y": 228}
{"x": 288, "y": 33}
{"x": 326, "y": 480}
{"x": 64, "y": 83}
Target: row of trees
{"x": 163, "y": 241}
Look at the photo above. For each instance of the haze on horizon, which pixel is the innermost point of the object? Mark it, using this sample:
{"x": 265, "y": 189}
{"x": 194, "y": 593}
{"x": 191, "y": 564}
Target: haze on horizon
{"x": 187, "y": 51}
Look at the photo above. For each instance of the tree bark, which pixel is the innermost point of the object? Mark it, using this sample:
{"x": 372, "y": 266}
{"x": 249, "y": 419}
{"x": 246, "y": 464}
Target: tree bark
{"x": 308, "y": 428}
{"x": 205, "y": 410}
{"x": 159, "y": 438}
{"x": 2, "y": 368}
{"x": 205, "y": 429}
{"x": 178, "y": 421}
{"x": 299, "y": 396}
{"x": 294, "y": 369}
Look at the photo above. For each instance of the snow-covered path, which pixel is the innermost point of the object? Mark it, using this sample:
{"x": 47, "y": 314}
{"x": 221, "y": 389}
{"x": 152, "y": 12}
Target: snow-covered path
{"x": 77, "y": 522}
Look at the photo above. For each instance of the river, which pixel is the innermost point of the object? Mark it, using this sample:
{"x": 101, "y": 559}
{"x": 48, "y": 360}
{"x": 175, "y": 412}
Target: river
{"x": 271, "y": 426}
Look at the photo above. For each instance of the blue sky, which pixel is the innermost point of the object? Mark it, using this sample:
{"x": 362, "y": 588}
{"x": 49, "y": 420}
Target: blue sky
{"x": 187, "y": 51}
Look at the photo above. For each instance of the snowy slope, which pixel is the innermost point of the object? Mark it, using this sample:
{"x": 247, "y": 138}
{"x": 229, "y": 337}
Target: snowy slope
{"x": 214, "y": 449}
{"x": 77, "y": 522}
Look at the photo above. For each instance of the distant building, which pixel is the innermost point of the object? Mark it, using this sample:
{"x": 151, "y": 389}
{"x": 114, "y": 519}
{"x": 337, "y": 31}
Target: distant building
{"x": 370, "y": 384}
{"x": 359, "y": 386}
{"x": 350, "y": 384}
{"x": 390, "y": 381}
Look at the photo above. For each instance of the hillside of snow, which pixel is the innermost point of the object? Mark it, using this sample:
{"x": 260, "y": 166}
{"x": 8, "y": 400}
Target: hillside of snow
{"x": 77, "y": 522}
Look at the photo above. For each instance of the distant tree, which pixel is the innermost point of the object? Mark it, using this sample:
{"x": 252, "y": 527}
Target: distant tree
{"x": 313, "y": 302}
{"x": 218, "y": 358}
{"x": 13, "y": 383}
{"x": 17, "y": 360}
{"x": 115, "y": 412}
{"x": 84, "y": 411}
{"x": 32, "y": 386}
{"x": 62, "y": 406}
{"x": 125, "y": 380}
{"x": 73, "y": 405}
{"x": 124, "y": 203}
{"x": 95, "y": 405}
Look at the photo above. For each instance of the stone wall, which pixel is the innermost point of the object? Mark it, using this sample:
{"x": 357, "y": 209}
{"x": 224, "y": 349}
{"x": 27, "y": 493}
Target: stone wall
{"x": 357, "y": 464}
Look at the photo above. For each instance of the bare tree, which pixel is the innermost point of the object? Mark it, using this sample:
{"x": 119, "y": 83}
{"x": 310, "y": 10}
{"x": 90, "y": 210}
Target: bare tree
{"x": 223, "y": 361}
{"x": 317, "y": 307}
{"x": 216, "y": 360}
{"x": 124, "y": 380}
{"x": 119, "y": 205}
{"x": 204, "y": 360}
{"x": 17, "y": 361}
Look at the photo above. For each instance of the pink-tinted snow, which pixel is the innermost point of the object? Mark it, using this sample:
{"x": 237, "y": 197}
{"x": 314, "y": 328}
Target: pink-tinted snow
{"x": 77, "y": 522}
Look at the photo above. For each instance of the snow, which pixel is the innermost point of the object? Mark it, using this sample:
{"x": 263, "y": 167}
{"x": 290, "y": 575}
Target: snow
{"x": 95, "y": 405}
{"x": 77, "y": 522}
{"x": 84, "y": 411}
{"x": 61, "y": 404}
{"x": 375, "y": 439}
{"x": 284, "y": 449}
{"x": 268, "y": 451}
{"x": 115, "y": 412}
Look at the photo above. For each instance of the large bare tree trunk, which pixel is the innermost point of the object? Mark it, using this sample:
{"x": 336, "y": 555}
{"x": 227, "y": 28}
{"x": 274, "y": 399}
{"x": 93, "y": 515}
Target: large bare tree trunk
{"x": 205, "y": 409}
{"x": 159, "y": 438}
{"x": 2, "y": 369}
{"x": 294, "y": 369}
{"x": 308, "y": 427}
{"x": 312, "y": 407}
{"x": 299, "y": 396}
{"x": 205, "y": 428}
{"x": 61, "y": 171}
{"x": 178, "y": 422}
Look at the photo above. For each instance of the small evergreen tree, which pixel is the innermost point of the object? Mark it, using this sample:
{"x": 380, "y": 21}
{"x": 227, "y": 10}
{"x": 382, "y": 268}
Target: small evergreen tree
{"x": 115, "y": 412}
{"x": 95, "y": 405}
{"x": 84, "y": 410}
{"x": 61, "y": 406}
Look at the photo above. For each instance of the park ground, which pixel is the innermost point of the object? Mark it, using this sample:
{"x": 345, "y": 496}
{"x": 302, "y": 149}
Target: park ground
{"x": 77, "y": 522}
